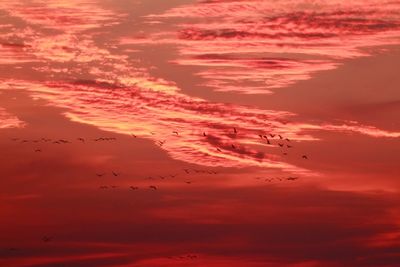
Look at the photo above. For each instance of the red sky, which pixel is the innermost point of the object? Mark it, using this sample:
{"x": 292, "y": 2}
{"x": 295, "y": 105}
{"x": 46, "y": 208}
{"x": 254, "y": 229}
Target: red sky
{"x": 199, "y": 133}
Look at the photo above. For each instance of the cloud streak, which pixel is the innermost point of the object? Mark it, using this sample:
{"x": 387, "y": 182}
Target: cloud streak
{"x": 272, "y": 44}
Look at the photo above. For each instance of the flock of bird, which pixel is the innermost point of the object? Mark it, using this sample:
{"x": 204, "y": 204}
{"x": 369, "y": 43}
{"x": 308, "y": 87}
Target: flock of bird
{"x": 282, "y": 141}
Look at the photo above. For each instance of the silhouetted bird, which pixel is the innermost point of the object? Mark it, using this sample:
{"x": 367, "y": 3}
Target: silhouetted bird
{"x": 153, "y": 187}
{"x": 133, "y": 135}
{"x": 292, "y": 178}
{"x": 188, "y": 182}
{"x": 100, "y": 174}
{"x": 134, "y": 187}
{"x": 272, "y": 135}
{"x": 233, "y": 146}
{"x": 115, "y": 173}
{"x": 175, "y": 132}
{"x": 81, "y": 139}
{"x": 280, "y": 137}
{"x": 281, "y": 145}
{"x": 204, "y": 134}
{"x": 234, "y": 130}
{"x": 47, "y": 239}
{"x": 38, "y": 150}
{"x": 304, "y": 157}
{"x": 219, "y": 150}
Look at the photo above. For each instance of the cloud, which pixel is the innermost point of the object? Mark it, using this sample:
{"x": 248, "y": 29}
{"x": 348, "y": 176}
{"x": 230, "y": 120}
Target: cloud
{"x": 309, "y": 36}
{"x": 8, "y": 120}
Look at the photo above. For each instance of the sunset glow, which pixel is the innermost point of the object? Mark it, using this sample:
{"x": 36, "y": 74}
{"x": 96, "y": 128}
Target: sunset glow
{"x": 199, "y": 133}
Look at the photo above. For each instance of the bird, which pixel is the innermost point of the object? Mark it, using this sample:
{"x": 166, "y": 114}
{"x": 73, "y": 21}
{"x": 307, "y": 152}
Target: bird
{"x": 233, "y": 146}
{"x": 287, "y": 139}
{"x": 115, "y": 173}
{"x": 280, "y": 136}
{"x": 38, "y": 150}
{"x": 175, "y": 132}
{"x": 186, "y": 170}
{"x": 219, "y": 150}
{"x": 133, "y": 135}
{"x": 292, "y": 178}
{"x": 134, "y": 187}
{"x": 153, "y": 187}
{"x": 281, "y": 145}
{"x": 188, "y": 182}
{"x": 100, "y": 174}
{"x": 204, "y": 134}
{"x": 234, "y": 130}
{"x": 304, "y": 157}
{"x": 81, "y": 139}
{"x": 272, "y": 135}
{"x": 161, "y": 143}
{"x": 47, "y": 239}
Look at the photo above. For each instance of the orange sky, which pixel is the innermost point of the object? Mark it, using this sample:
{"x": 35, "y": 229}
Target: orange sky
{"x": 199, "y": 133}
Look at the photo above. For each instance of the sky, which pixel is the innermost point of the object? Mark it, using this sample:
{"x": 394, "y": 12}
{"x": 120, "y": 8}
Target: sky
{"x": 199, "y": 133}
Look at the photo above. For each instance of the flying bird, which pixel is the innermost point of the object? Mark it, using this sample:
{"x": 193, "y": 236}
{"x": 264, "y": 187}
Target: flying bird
{"x": 134, "y": 187}
{"x": 100, "y": 174}
{"x": 38, "y": 150}
{"x": 115, "y": 173}
{"x": 133, "y": 135}
{"x": 153, "y": 187}
{"x": 304, "y": 157}
{"x": 292, "y": 178}
{"x": 234, "y": 130}
{"x": 175, "y": 132}
{"x": 81, "y": 139}
{"x": 204, "y": 134}
{"x": 47, "y": 239}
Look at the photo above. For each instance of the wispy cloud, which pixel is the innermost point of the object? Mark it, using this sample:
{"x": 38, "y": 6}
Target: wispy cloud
{"x": 254, "y": 46}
